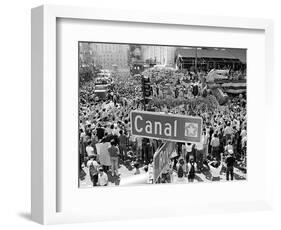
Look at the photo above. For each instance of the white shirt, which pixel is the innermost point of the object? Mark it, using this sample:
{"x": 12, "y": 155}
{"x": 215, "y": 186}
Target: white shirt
{"x": 90, "y": 151}
{"x": 188, "y": 147}
{"x": 102, "y": 179}
{"x": 228, "y": 130}
{"x": 95, "y": 163}
{"x": 215, "y": 171}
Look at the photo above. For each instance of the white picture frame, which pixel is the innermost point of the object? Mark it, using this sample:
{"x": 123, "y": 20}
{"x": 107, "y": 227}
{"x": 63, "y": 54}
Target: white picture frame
{"x": 44, "y": 182}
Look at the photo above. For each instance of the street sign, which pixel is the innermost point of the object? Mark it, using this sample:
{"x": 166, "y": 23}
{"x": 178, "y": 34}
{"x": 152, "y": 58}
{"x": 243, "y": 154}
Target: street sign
{"x": 178, "y": 128}
{"x": 161, "y": 158}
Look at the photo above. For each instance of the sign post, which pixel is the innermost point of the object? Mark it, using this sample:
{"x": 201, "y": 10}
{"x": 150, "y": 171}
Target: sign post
{"x": 161, "y": 159}
{"x": 170, "y": 127}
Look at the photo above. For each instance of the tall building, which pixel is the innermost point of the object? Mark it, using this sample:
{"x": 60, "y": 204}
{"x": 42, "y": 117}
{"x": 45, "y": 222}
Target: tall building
{"x": 162, "y": 55}
{"x": 110, "y": 56}
{"x": 86, "y": 54}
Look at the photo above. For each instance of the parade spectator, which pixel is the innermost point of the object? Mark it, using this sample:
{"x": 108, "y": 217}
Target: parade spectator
{"x": 230, "y": 161}
{"x": 102, "y": 178}
{"x": 114, "y": 154}
{"x": 146, "y": 150}
{"x": 90, "y": 150}
{"x": 122, "y": 145}
{"x": 181, "y": 170}
{"x": 200, "y": 154}
{"x": 139, "y": 146}
{"x": 204, "y": 141}
{"x": 243, "y": 132}
{"x": 100, "y": 132}
{"x": 229, "y": 146}
{"x": 228, "y": 132}
{"x": 188, "y": 150}
{"x": 215, "y": 144}
{"x": 191, "y": 169}
{"x": 93, "y": 167}
{"x": 137, "y": 168}
{"x": 215, "y": 167}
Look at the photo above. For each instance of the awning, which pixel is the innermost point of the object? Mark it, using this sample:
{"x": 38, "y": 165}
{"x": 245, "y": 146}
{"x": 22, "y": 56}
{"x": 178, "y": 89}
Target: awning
{"x": 227, "y": 53}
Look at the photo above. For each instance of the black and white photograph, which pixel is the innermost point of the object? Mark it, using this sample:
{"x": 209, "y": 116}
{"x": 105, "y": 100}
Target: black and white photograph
{"x": 158, "y": 114}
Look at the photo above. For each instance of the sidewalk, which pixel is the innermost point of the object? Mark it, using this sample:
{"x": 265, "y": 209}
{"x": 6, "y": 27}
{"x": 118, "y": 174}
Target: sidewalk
{"x": 128, "y": 171}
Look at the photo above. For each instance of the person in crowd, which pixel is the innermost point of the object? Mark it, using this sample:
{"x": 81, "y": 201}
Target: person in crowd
{"x": 199, "y": 155}
{"x": 215, "y": 167}
{"x": 90, "y": 150}
{"x": 139, "y": 147}
{"x": 228, "y": 147}
{"x": 243, "y": 132}
{"x": 93, "y": 167}
{"x": 146, "y": 150}
{"x": 204, "y": 141}
{"x": 215, "y": 144}
{"x": 191, "y": 169}
{"x": 114, "y": 154}
{"x": 102, "y": 178}
{"x": 100, "y": 131}
{"x": 137, "y": 168}
{"x": 188, "y": 151}
{"x": 228, "y": 131}
{"x": 181, "y": 170}
{"x": 122, "y": 145}
{"x": 230, "y": 161}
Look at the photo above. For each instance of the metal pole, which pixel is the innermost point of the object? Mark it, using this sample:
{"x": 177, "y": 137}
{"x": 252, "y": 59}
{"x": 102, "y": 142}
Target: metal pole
{"x": 143, "y": 94}
{"x": 196, "y": 56}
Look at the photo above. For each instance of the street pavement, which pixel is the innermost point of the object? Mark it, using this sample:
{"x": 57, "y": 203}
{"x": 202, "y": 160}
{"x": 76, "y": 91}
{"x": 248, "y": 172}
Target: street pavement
{"x": 126, "y": 170}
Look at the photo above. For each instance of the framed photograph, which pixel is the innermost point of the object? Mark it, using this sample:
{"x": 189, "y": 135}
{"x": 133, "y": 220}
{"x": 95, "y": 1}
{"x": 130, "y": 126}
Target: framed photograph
{"x": 149, "y": 113}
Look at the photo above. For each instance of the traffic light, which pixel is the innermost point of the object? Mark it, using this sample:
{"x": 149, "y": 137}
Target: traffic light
{"x": 147, "y": 91}
{"x": 146, "y": 87}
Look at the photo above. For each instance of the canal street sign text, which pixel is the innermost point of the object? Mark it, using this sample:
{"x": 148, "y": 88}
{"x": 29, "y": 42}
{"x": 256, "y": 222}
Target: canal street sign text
{"x": 170, "y": 127}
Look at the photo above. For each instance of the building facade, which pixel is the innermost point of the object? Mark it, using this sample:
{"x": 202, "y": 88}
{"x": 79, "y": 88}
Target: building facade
{"x": 160, "y": 55}
{"x": 208, "y": 58}
{"x": 110, "y": 56}
{"x": 85, "y": 55}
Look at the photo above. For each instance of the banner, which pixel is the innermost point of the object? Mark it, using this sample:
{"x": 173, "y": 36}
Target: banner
{"x": 103, "y": 154}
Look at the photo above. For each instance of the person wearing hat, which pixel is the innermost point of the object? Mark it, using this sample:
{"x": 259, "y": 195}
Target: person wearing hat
{"x": 230, "y": 161}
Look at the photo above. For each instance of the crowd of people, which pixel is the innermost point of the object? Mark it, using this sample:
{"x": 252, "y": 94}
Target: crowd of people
{"x": 104, "y": 123}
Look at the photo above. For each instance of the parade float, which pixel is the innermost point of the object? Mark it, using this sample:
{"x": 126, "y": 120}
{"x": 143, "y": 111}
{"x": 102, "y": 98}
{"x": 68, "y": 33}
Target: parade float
{"x": 222, "y": 85}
